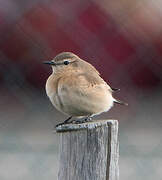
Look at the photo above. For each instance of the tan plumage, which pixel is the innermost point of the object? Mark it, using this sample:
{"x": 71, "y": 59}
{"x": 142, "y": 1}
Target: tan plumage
{"x": 76, "y": 89}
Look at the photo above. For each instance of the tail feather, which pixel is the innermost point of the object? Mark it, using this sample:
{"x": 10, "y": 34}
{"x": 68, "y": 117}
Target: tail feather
{"x": 120, "y": 102}
{"x": 115, "y": 89}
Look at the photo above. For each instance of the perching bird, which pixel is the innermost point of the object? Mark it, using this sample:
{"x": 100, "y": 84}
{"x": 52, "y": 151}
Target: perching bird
{"x": 76, "y": 89}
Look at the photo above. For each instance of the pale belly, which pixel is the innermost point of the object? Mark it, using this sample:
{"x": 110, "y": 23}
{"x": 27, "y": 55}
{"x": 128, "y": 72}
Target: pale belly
{"x": 80, "y": 105}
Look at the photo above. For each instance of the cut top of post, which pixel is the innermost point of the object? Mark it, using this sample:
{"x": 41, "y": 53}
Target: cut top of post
{"x": 87, "y": 125}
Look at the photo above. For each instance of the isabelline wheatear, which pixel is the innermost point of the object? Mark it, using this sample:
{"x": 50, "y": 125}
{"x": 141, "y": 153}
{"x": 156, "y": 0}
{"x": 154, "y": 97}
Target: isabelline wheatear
{"x": 76, "y": 89}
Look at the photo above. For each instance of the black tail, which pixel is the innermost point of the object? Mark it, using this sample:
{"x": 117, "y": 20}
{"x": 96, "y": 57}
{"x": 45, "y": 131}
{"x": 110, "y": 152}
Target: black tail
{"x": 115, "y": 89}
{"x": 120, "y": 102}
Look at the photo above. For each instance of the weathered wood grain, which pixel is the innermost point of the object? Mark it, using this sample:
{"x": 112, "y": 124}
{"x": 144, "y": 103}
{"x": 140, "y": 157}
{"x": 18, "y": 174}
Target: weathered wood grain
{"x": 89, "y": 151}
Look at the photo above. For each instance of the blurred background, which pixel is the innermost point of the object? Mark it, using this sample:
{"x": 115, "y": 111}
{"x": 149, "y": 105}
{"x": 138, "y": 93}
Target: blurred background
{"x": 122, "y": 39}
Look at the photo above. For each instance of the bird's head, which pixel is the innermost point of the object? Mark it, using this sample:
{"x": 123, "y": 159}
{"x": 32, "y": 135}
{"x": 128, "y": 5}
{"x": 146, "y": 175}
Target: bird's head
{"x": 69, "y": 62}
{"x": 63, "y": 61}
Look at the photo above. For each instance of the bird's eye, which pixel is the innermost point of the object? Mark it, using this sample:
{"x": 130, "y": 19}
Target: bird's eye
{"x": 66, "y": 62}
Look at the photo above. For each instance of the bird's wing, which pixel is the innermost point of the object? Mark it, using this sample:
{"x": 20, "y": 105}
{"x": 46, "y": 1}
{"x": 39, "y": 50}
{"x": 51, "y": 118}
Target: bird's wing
{"x": 84, "y": 80}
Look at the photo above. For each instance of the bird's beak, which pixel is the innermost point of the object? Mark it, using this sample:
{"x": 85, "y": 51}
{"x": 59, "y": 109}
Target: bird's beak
{"x": 51, "y": 63}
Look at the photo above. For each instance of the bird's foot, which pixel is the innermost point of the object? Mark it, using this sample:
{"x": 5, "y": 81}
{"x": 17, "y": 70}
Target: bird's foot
{"x": 67, "y": 121}
{"x": 88, "y": 119}
{"x": 60, "y": 124}
{"x": 78, "y": 121}
{"x": 82, "y": 120}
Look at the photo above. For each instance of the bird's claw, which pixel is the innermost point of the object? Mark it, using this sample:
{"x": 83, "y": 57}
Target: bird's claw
{"x": 78, "y": 121}
{"x": 82, "y": 120}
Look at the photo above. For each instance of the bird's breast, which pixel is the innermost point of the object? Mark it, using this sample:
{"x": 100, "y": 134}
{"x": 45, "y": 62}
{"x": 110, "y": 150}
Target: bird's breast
{"x": 52, "y": 91}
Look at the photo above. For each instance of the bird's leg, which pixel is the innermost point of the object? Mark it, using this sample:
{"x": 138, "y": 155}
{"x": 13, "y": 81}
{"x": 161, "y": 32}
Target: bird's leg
{"x": 65, "y": 122}
{"x": 83, "y": 120}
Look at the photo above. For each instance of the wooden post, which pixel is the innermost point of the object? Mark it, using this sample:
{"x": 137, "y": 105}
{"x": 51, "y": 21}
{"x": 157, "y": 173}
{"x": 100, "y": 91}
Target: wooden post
{"x": 89, "y": 151}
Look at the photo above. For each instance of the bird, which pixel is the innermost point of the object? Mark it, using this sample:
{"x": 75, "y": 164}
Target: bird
{"x": 76, "y": 89}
